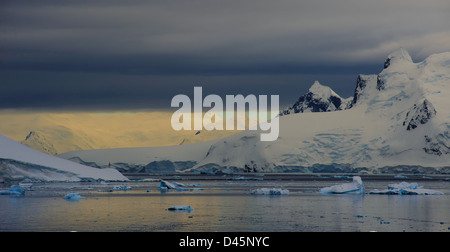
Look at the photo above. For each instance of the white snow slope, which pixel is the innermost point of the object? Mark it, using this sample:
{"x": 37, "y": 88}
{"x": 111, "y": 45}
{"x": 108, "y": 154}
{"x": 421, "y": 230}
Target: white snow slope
{"x": 400, "y": 122}
{"x": 18, "y": 161}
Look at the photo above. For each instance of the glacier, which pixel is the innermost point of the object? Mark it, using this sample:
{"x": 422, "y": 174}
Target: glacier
{"x": 397, "y": 121}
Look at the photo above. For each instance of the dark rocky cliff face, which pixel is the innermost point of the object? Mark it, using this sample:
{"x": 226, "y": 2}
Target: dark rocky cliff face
{"x": 419, "y": 114}
{"x": 318, "y": 99}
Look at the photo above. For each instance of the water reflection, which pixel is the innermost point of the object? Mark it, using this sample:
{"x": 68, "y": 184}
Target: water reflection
{"x": 225, "y": 207}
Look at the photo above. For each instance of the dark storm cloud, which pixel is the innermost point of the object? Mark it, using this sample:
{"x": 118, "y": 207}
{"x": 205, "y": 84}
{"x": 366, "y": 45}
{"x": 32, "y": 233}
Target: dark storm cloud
{"x": 138, "y": 54}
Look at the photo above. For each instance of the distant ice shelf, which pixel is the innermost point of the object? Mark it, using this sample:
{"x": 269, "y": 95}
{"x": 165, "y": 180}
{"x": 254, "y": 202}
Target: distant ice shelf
{"x": 19, "y": 162}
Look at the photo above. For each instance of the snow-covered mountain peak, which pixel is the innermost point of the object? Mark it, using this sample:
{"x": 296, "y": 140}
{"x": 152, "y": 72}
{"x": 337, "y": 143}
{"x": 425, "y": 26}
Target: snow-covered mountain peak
{"x": 405, "y": 81}
{"x": 365, "y": 87}
{"x": 399, "y": 55}
{"x": 398, "y": 117}
{"x": 322, "y": 92}
{"x": 398, "y": 122}
{"x": 320, "y": 98}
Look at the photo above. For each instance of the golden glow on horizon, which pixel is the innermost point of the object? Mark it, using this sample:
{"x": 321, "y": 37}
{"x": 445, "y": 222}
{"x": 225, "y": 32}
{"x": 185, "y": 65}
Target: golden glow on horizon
{"x": 68, "y": 131}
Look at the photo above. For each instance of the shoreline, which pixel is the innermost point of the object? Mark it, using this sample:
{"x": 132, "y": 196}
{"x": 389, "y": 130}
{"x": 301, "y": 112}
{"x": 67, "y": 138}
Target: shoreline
{"x": 288, "y": 176}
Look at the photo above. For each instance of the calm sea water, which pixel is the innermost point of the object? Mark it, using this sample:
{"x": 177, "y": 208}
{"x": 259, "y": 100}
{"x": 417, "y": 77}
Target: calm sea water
{"x": 226, "y": 205}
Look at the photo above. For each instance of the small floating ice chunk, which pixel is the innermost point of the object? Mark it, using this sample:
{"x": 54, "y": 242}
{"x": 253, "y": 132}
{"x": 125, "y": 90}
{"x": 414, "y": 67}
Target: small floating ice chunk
{"x": 178, "y": 184}
{"x": 15, "y": 190}
{"x": 355, "y": 187}
{"x": 73, "y": 197}
{"x": 405, "y": 188}
{"x": 121, "y": 188}
{"x": 181, "y": 208}
{"x": 270, "y": 191}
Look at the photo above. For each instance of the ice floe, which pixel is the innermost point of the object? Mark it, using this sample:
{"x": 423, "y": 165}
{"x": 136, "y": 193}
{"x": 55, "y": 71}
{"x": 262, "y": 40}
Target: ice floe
{"x": 73, "y": 197}
{"x": 121, "y": 188}
{"x": 405, "y": 188}
{"x": 270, "y": 191}
{"x": 181, "y": 208}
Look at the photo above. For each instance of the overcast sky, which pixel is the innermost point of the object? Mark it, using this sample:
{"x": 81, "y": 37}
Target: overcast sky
{"x": 120, "y": 55}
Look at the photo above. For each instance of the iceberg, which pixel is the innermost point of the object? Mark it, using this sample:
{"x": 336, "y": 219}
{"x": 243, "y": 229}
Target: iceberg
{"x": 405, "y": 188}
{"x": 181, "y": 208}
{"x": 355, "y": 187}
{"x": 165, "y": 185}
{"x": 15, "y": 190}
{"x": 73, "y": 197}
{"x": 270, "y": 191}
